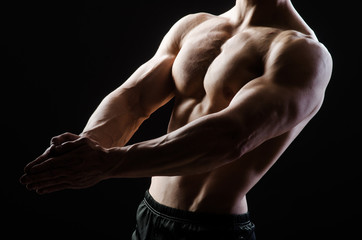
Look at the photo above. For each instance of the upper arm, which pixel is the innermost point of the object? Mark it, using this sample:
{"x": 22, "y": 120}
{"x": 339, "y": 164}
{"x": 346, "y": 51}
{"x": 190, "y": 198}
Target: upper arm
{"x": 291, "y": 90}
{"x": 151, "y": 85}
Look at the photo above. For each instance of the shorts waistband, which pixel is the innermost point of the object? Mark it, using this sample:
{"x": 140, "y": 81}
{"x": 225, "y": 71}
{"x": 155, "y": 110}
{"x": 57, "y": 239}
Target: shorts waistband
{"x": 194, "y": 217}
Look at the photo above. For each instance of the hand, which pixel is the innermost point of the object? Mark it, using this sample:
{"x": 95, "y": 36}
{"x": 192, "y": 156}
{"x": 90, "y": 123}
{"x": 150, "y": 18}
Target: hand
{"x": 71, "y": 162}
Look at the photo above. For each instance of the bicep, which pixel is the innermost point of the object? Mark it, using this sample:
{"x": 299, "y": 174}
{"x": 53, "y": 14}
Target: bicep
{"x": 265, "y": 110}
{"x": 290, "y": 91}
{"x": 149, "y": 87}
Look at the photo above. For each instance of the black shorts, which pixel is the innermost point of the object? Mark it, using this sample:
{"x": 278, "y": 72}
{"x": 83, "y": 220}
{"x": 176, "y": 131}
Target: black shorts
{"x": 158, "y": 222}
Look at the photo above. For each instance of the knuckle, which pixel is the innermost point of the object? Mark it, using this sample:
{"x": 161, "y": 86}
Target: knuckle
{"x": 54, "y": 140}
{"x": 84, "y": 140}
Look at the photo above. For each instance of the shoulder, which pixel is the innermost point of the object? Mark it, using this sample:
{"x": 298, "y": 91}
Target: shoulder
{"x": 298, "y": 56}
{"x": 172, "y": 41}
{"x": 191, "y": 20}
{"x": 295, "y": 41}
{"x": 291, "y": 44}
{"x": 183, "y": 26}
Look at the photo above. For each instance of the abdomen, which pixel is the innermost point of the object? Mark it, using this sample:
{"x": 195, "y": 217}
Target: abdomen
{"x": 222, "y": 190}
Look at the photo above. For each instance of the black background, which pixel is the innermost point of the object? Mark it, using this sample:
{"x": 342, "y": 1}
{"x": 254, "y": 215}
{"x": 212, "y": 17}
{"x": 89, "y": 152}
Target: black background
{"x": 60, "y": 58}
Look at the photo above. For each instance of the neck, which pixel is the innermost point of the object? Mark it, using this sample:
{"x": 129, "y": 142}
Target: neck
{"x": 260, "y": 2}
{"x": 255, "y": 9}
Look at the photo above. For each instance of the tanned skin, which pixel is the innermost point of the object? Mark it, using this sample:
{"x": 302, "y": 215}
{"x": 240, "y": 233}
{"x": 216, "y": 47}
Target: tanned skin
{"x": 245, "y": 83}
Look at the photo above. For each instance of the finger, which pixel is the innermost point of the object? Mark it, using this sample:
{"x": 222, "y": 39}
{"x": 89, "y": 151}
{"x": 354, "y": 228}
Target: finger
{"x": 70, "y": 146}
{"x": 46, "y": 184}
{"x": 52, "y": 150}
{"x": 57, "y": 187}
{"x": 65, "y": 137}
{"x": 48, "y": 165}
{"x": 23, "y": 179}
{"x": 48, "y": 152}
{"x": 43, "y": 176}
{"x": 53, "y": 188}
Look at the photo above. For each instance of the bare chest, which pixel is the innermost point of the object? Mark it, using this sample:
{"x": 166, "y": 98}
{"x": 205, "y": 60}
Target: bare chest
{"x": 215, "y": 63}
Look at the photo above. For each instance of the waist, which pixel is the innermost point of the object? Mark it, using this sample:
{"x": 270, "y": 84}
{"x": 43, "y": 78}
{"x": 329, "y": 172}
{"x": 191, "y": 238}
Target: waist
{"x": 200, "y": 193}
{"x": 195, "y": 217}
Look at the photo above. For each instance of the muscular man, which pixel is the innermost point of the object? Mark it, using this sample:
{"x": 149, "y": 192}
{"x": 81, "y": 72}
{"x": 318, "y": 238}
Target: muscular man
{"x": 245, "y": 83}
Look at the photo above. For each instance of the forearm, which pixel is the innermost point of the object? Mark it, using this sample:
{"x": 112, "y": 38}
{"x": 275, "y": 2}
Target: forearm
{"x": 213, "y": 140}
{"x": 121, "y": 113}
{"x": 115, "y": 120}
{"x": 200, "y": 146}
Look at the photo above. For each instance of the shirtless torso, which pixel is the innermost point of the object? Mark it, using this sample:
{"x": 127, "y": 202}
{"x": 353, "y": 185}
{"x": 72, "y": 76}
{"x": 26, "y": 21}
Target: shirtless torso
{"x": 245, "y": 84}
{"x": 216, "y": 60}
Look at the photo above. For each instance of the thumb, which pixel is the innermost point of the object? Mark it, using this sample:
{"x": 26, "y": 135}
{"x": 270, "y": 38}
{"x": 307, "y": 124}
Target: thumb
{"x": 65, "y": 137}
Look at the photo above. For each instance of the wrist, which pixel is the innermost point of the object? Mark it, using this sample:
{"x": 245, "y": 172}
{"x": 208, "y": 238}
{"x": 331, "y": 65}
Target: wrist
{"x": 103, "y": 141}
{"x": 114, "y": 158}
